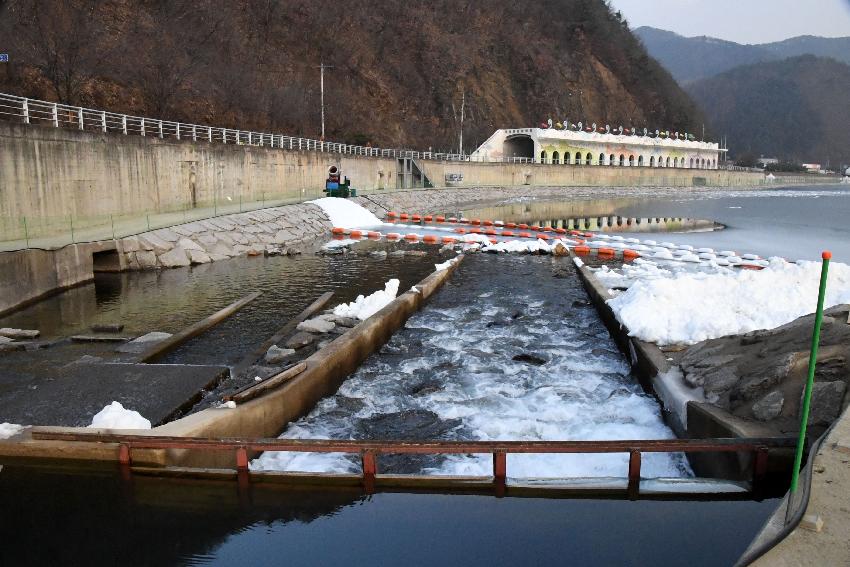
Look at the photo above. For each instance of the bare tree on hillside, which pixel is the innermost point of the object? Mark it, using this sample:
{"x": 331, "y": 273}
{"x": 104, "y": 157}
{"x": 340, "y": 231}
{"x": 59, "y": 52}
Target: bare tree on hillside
{"x": 183, "y": 34}
{"x": 58, "y": 36}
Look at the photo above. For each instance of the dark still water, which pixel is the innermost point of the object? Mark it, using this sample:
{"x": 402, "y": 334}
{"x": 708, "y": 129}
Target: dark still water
{"x": 169, "y": 300}
{"x": 59, "y": 518}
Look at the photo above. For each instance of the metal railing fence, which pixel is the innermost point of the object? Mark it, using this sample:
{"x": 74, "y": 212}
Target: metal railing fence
{"x": 32, "y": 111}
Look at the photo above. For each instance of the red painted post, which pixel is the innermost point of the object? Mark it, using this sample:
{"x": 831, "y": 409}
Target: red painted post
{"x": 241, "y": 459}
{"x": 370, "y": 469}
{"x": 634, "y": 474}
{"x": 760, "y": 456}
{"x": 500, "y": 471}
{"x": 124, "y": 454}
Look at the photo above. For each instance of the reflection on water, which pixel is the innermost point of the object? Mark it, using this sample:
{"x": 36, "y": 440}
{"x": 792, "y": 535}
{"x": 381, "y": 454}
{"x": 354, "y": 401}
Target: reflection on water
{"x": 592, "y": 215}
{"x": 169, "y": 300}
{"x": 63, "y": 518}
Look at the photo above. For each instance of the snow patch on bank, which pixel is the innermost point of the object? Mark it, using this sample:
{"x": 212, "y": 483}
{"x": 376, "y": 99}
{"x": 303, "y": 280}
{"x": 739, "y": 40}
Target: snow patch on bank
{"x": 691, "y": 307}
{"x": 114, "y": 416}
{"x": 364, "y": 307}
{"x": 8, "y": 430}
{"x": 346, "y": 214}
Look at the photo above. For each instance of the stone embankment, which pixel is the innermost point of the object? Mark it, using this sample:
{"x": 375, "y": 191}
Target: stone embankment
{"x": 760, "y": 376}
{"x": 280, "y": 230}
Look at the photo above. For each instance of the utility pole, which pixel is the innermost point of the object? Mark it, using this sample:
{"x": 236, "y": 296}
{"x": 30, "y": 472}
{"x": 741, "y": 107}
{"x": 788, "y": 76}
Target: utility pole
{"x": 322, "y": 68}
{"x": 462, "y": 104}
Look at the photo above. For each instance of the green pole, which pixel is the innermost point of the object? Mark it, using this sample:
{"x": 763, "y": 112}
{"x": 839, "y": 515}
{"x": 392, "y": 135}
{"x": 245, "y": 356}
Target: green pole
{"x": 813, "y": 356}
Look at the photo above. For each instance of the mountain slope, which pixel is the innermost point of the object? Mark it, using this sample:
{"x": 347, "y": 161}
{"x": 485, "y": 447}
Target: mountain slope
{"x": 693, "y": 58}
{"x": 399, "y": 68}
{"x": 795, "y": 109}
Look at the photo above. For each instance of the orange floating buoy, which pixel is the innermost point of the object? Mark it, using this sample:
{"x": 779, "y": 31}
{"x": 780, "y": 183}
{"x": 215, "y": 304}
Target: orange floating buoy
{"x": 427, "y": 218}
{"x": 474, "y": 231}
{"x": 337, "y": 230}
{"x": 507, "y": 233}
{"x": 605, "y": 251}
{"x": 416, "y": 218}
{"x": 575, "y": 232}
{"x": 560, "y": 231}
{"x": 490, "y": 232}
{"x": 581, "y": 250}
{"x": 356, "y": 234}
{"x": 510, "y": 225}
{"x": 404, "y": 216}
{"x": 460, "y": 230}
{"x": 373, "y": 234}
{"x": 392, "y": 214}
{"x": 522, "y": 226}
{"x": 475, "y": 222}
{"x": 630, "y": 253}
{"x": 493, "y": 241}
{"x": 429, "y": 238}
{"x": 580, "y": 241}
{"x": 411, "y": 236}
{"x": 449, "y": 240}
{"x": 547, "y": 229}
{"x": 524, "y": 235}
{"x": 543, "y": 236}
{"x": 440, "y": 219}
{"x": 487, "y": 223}
{"x": 393, "y": 236}
{"x": 338, "y": 237}
{"x": 588, "y": 235}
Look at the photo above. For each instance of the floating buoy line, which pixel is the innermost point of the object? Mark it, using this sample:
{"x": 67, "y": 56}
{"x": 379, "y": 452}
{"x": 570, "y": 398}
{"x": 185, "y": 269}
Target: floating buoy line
{"x": 485, "y": 233}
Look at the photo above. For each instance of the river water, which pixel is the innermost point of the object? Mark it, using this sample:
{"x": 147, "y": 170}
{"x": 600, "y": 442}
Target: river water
{"x": 509, "y": 349}
{"x": 796, "y": 224}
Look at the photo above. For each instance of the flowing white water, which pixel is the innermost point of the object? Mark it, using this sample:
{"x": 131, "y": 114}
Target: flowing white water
{"x": 453, "y": 373}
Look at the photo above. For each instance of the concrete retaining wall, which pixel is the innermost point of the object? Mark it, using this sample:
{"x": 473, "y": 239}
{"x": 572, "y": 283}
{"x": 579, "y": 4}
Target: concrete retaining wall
{"x": 53, "y": 172}
{"x": 58, "y": 173}
{"x": 28, "y": 275}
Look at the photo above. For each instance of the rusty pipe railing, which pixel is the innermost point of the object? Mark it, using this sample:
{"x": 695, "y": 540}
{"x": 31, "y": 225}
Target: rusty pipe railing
{"x": 370, "y": 450}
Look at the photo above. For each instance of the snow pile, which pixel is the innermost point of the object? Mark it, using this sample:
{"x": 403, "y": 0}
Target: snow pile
{"x": 364, "y": 307}
{"x": 520, "y": 246}
{"x": 445, "y": 265}
{"x": 114, "y": 416}
{"x": 693, "y": 307}
{"x": 346, "y": 214}
{"x": 642, "y": 269}
{"x": 9, "y": 430}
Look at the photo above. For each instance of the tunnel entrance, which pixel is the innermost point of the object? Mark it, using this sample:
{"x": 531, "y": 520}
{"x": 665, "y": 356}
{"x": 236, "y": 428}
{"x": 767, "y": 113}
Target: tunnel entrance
{"x": 519, "y": 146}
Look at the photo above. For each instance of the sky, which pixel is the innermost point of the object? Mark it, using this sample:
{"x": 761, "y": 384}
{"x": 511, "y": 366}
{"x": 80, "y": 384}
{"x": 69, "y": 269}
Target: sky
{"x": 743, "y": 21}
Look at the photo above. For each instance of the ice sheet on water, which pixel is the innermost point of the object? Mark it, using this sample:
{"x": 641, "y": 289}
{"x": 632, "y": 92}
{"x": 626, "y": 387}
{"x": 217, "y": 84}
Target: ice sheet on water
{"x": 451, "y": 374}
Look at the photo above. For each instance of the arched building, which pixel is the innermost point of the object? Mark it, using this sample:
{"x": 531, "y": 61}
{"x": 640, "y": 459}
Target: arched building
{"x": 570, "y": 147}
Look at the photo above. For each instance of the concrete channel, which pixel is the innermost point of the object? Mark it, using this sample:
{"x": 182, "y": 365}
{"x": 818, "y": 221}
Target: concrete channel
{"x": 264, "y": 416}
